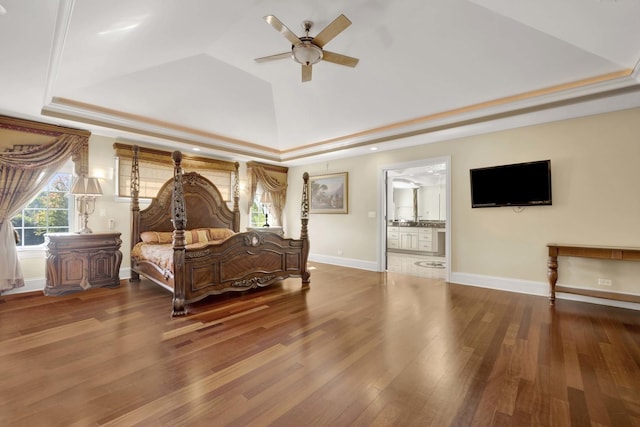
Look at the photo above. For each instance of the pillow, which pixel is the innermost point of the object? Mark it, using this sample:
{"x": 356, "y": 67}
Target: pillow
{"x": 220, "y": 233}
{"x": 157, "y": 237}
{"x": 199, "y": 235}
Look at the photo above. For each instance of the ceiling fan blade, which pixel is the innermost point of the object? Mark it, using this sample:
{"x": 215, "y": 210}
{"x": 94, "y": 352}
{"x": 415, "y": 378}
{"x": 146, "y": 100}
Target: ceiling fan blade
{"x": 339, "y": 59}
{"x": 306, "y": 73}
{"x": 282, "y": 29}
{"x": 282, "y": 55}
{"x": 330, "y": 31}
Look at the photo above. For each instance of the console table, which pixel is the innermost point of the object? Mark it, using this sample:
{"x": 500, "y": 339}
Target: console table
{"x": 582, "y": 251}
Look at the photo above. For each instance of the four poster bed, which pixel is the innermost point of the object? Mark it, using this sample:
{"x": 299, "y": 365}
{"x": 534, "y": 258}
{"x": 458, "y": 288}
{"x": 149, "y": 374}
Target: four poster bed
{"x": 188, "y": 241}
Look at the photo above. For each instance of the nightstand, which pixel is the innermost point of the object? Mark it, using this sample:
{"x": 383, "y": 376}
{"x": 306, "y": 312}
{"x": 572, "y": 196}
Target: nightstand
{"x": 77, "y": 262}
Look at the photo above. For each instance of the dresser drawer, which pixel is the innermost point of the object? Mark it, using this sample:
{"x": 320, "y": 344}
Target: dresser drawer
{"x": 426, "y": 246}
{"x": 426, "y": 235}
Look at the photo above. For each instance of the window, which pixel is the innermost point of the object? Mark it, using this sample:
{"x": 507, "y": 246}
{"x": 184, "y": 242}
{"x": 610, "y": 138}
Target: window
{"x": 49, "y": 212}
{"x": 266, "y": 203}
{"x": 256, "y": 215}
{"x": 156, "y": 168}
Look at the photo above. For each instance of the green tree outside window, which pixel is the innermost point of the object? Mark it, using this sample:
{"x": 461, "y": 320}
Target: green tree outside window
{"x": 48, "y": 212}
{"x": 257, "y": 214}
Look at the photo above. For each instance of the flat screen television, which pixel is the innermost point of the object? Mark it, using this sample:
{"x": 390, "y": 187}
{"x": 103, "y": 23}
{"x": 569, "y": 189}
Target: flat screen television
{"x": 518, "y": 184}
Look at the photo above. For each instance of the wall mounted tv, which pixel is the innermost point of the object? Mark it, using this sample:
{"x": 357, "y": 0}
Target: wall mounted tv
{"x": 518, "y": 184}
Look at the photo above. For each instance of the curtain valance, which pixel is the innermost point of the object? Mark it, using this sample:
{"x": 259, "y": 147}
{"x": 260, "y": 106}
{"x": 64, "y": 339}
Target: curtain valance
{"x": 273, "y": 180}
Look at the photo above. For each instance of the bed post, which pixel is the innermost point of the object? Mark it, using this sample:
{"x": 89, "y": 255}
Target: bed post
{"x": 135, "y": 206}
{"x": 179, "y": 220}
{"x": 304, "y": 236}
{"x": 236, "y": 199}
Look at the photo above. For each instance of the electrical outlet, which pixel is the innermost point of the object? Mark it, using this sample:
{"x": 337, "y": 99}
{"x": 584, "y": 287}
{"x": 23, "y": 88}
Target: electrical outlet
{"x": 605, "y": 282}
{"x": 339, "y": 253}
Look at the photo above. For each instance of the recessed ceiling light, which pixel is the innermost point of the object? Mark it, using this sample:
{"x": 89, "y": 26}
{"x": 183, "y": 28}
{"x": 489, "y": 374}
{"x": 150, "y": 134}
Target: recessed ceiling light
{"x": 3, "y": 11}
{"x": 373, "y": 148}
{"x": 196, "y": 149}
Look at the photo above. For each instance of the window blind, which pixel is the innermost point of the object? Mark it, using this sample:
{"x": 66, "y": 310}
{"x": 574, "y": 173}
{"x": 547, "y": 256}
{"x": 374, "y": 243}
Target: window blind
{"x": 156, "y": 168}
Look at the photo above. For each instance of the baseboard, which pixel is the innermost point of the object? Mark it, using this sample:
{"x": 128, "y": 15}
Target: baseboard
{"x": 534, "y": 288}
{"x": 30, "y": 285}
{"x": 489, "y": 282}
{"x": 125, "y": 273}
{"x": 501, "y": 283}
{"x": 345, "y": 262}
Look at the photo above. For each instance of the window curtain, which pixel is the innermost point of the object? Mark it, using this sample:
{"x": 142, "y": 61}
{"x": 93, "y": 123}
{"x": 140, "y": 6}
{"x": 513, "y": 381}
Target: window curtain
{"x": 273, "y": 180}
{"x": 23, "y": 171}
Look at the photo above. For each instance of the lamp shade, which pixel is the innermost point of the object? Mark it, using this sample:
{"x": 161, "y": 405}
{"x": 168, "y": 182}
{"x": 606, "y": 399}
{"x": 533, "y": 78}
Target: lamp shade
{"x": 86, "y": 186}
{"x": 266, "y": 197}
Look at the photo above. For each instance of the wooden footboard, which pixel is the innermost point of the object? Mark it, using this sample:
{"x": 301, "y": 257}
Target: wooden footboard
{"x": 241, "y": 262}
{"x": 244, "y": 261}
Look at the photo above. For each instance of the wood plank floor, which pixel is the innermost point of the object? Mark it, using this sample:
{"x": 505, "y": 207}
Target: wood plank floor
{"x": 356, "y": 348}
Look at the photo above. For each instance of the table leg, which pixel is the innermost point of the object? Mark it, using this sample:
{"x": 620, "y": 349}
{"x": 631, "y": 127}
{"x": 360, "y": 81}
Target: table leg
{"x": 552, "y": 275}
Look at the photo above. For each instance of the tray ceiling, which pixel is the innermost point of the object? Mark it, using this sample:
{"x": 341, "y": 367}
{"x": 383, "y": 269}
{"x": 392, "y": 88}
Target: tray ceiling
{"x": 183, "y": 72}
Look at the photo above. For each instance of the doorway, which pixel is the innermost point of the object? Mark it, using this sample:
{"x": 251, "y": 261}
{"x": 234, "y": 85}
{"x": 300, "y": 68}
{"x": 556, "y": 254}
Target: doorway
{"x": 415, "y": 220}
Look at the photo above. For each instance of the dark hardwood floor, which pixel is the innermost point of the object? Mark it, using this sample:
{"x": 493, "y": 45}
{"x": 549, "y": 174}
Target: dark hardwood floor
{"x": 356, "y": 348}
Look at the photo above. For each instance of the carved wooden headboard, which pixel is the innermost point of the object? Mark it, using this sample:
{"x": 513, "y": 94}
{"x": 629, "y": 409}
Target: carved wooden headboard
{"x": 203, "y": 202}
{"x": 204, "y": 205}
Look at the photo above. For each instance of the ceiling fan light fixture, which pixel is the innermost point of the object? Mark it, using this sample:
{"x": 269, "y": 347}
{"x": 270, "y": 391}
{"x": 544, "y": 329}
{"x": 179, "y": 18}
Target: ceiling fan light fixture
{"x": 306, "y": 50}
{"x": 306, "y": 53}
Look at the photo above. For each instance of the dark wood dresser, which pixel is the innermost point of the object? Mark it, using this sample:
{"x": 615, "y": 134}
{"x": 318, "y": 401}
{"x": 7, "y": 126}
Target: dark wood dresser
{"x": 77, "y": 262}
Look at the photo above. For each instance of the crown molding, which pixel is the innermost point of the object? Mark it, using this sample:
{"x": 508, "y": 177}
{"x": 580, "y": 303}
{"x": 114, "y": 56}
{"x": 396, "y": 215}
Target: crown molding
{"x": 574, "y": 99}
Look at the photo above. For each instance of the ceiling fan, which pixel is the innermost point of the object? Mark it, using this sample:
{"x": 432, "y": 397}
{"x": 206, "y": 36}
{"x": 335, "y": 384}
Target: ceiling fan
{"x": 308, "y": 50}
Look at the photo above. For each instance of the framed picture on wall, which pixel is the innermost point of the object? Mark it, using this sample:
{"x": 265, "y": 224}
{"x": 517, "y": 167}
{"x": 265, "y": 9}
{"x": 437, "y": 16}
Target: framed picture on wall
{"x": 329, "y": 193}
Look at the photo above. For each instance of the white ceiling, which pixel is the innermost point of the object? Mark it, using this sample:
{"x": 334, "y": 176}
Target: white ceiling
{"x": 182, "y": 72}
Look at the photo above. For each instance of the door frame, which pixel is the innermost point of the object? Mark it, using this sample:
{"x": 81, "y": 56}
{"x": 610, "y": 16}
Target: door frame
{"x": 382, "y": 208}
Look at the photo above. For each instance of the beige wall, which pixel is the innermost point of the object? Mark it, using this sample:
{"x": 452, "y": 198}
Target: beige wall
{"x": 102, "y": 165}
{"x": 595, "y": 201}
{"x": 594, "y": 178}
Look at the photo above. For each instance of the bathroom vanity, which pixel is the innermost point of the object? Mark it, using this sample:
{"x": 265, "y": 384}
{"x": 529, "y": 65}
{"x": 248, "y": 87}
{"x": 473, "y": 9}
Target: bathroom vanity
{"x": 427, "y": 236}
